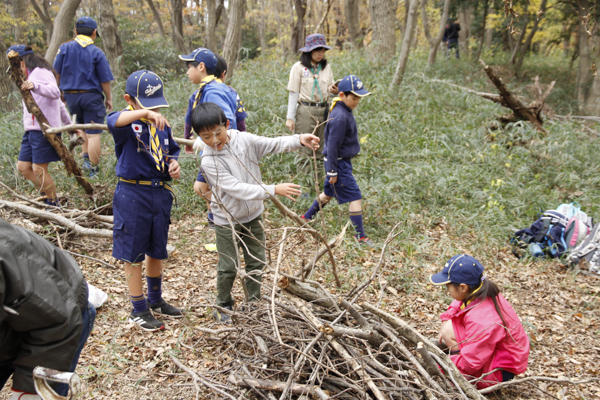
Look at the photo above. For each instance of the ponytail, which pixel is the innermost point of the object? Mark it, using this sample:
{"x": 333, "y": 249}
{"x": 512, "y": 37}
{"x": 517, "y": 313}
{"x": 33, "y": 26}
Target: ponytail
{"x": 33, "y": 61}
{"x": 486, "y": 289}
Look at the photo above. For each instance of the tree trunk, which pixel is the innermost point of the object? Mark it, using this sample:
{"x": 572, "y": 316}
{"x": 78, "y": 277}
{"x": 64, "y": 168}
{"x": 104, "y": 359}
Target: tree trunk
{"x": 435, "y": 45}
{"x": 464, "y": 18}
{"x": 383, "y": 18}
{"x": 262, "y": 26}
{"x": 211, "y": 25}
{"x": 157, "y": 18}
{"x": 298, "y": 28}
{"x": 60, "y": 29}
{"x": 425, "y": 22}
{"x": 352, "y": 11}
{"x": 110, "y": 38}
{"x": 489, "y": 32}
{"x": 411, "y": 22}
{"x": 485, "y": 12}
{"x": 44, "y": 15}
{"x": 5, "y": 82}
{"x": 19, "y": 14}
{"x": 340, "y": 26}
{"x": 584, "y": 74}
{"x": 517, "y": 46}
{"x": 234, "y": 33}
{"x": 527, "y": 44}
{"x": 177, "y": 24}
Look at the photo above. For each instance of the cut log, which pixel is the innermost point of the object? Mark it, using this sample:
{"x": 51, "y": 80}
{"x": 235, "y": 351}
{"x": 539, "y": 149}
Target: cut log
{"x": 55, "y": 142}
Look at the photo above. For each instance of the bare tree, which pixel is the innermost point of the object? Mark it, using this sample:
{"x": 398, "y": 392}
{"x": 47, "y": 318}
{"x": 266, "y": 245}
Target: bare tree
{"x": 464, "y": 18}
{"x": 262, "y": 25}
{"x": 434, "y": 45}
{"x": 44, "y": 15}
{"x": 233, "y": 35}
{"x": 214, "y": 8}
{"x": 157, "y": 18}
{"x": 340, "y": 26}
{"x": 60, "y": 30}
{"x": 351, "y": 10}
{"x": 298, "y": 27}
{"x": 483, "y": 31}
{"x": 110, "y": 38}
{"x": 383, "y": 17}
{"x": 5, "y": 82}
{"x": 177, "y": 25}
{"x": 19, "y": 13}
{"x": 411, "y": 23}
{"x": 525, "y": 47}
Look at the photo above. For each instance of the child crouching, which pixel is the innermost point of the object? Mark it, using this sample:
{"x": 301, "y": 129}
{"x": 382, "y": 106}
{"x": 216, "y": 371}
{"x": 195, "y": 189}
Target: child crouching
{"x": 146, "y": 160}
{"x": 230, "y": 162}
{"x": 480, "y": 327}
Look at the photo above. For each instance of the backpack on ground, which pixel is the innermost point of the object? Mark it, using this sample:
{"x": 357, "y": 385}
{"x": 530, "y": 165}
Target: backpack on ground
{"x": 588, "y": 250}
{"x": 545, "y": 237}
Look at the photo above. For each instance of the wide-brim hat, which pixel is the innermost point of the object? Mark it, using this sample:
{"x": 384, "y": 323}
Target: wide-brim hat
{"x": 314, "y": 41}
{"x": 459, "y": 269}
{"x": 201, "y": 55}
{"x": 352, "y": 84}
{"x": 147, "y": 88}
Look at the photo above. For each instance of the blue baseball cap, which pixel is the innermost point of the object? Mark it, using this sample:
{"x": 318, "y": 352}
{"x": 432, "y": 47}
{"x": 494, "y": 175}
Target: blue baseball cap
{"x": 87, "y": 22}
{"x": 19, "y": 48}
{"x": 459, "y": 269}
{"x": 352, "y": 84}
{"x": 202, "y": 55}
{"x": 147, "y": 88}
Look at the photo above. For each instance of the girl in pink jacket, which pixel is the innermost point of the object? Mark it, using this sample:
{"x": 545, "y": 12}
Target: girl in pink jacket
{"x": 36, "y": 152}
{"x": 482, "y": 331}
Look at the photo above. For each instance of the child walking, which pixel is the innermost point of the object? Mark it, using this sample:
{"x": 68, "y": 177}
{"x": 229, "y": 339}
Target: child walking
{"x": 341, "y": 145}
{"x": 146, "y": 161}
{"x": 231, "y": 164}
{"x": 480, "y": 327}
{"x": 36, "y": 152}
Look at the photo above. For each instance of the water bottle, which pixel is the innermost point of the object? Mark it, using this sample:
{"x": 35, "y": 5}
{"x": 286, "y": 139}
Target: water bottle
{"x": 536, "y": 250}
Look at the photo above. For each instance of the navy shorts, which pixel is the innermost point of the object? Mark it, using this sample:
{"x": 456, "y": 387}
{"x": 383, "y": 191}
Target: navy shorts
{"x": 141, "y": 222}
{"x": 345, "y": 189}
{"x": 37, "y": 149}
{"x": 89, "y": 107}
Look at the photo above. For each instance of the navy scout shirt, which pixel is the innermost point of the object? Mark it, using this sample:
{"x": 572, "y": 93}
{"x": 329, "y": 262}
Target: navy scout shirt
{"x": 82, "y": 68}
{"x": 218, "y": 93}
{"x": 132, "y": 148}
{"x": 341, "y": 137}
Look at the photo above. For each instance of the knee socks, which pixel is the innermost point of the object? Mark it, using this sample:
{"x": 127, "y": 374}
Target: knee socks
{"x": 314, "y": 209}
{"x": 139, "y": 303}
{"x": 154, "y": 288}
{"x": 357, "y": 221}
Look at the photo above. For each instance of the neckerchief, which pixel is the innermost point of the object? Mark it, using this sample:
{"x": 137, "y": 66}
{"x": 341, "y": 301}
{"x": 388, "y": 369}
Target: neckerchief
{"x": 83, "y": 40}
{"x": 155, "y": 147}
{"x": 203, "y": 83}
{"x": 316, "y": 82}
{"x": 465, "y": 304}
{"x": 334, "y": 102}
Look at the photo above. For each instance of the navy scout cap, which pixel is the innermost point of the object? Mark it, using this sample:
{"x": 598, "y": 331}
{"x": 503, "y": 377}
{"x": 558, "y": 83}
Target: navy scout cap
{"x": 202, "y": 55}
{"x": 147, "y": 88}
{"x": 87, "y": 22}
{"x": 352, "y": 84}
{"x": 19, "y": 48}
{"x": 459, "y": 269}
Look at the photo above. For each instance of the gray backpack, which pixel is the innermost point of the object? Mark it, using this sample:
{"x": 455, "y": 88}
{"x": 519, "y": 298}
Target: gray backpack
{"x": 588, "y": 250}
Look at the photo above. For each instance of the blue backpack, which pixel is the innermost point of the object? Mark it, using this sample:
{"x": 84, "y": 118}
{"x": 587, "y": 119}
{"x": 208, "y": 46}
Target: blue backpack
{"x": 545, "y": 237}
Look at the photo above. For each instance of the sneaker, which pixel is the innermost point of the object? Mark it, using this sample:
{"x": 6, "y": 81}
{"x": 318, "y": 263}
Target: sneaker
{"x": 87, "y": 164}
{"x": 94, "y": 172}
{"x": 365, "y": 241}
{"x": 54, "y": 203}
{"x": 222, "y": 317}
{"x": 164, "y": 308}
{"x": 146, "y": 321}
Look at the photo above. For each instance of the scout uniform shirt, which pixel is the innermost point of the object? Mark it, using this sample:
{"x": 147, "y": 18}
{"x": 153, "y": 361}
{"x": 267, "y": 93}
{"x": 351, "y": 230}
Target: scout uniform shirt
{"x": 302, "y": 81}
{"x": 214, "y": 92}
{"x": 82, "y": 65}
{"x": 341, "y": 137}
{"x": 132, "y": 148}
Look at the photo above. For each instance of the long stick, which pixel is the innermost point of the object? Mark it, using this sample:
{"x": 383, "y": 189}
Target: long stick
{"x": 55, "y": 142}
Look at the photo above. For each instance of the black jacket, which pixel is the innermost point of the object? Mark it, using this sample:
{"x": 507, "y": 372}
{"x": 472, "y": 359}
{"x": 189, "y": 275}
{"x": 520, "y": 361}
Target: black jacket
{"x": 42, "y": 293}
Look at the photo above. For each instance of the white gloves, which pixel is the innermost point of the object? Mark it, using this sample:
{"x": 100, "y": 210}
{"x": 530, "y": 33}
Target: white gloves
{"x": 198, "y": 145}
{"x": 15, "y": 395}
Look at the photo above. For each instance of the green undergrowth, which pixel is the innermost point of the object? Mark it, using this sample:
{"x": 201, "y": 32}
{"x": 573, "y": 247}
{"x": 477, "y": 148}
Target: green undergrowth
{"x": 429, "y": 157}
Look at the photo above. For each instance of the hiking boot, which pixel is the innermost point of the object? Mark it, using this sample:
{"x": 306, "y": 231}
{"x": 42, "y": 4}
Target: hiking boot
{"x": 164, "y": 308}
{"x": 146, "y": 321}
{"x": 222, "y": 317}
{"x": 365, "y": 241}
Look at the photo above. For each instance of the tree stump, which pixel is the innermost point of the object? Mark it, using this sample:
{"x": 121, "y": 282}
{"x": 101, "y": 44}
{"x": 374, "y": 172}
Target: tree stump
{"x": 32, "y": 107}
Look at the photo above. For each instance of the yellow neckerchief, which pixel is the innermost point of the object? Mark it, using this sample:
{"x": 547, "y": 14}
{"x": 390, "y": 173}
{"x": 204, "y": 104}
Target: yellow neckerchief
{"x": 203, "y": 83}
{"x": 155, "y": 147}
{"x": 83, "y": 40}
{"x": 464, "y": 305}
{"x": 334, "y": 102}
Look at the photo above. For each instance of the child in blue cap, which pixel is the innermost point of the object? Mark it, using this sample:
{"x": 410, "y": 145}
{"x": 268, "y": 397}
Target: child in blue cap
{"x": 341, "y": 145}
{"x": 146, "y": 162}
{"x": 83, "y": 74}
{"x": 480, "y": 328}
{"x": 202, "y": 66}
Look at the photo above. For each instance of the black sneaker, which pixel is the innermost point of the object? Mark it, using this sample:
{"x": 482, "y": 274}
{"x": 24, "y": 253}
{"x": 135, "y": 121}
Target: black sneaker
{"x": 222, "y": 317}
{"x": 146, "y": 321}
{"x": 163, "y": 308}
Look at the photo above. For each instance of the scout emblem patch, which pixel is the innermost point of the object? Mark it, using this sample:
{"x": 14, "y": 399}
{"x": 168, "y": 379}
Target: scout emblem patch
{"x": 305, "y": 72}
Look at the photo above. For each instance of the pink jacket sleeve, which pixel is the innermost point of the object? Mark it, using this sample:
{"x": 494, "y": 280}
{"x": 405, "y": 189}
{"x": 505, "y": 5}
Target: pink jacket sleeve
{"x": 64, "y": 114}
{"x": 44, "y": 83}
{"x": 477, "y": 349}
{"x": 452, "y": 310}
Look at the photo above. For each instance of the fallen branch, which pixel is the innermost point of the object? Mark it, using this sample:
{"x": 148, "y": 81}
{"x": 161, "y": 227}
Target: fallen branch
{"x": 271, "y": 385}
{"x": 332, "y": 243}
{"x": 198, "y": 378}
{"x": 91, "y": 258}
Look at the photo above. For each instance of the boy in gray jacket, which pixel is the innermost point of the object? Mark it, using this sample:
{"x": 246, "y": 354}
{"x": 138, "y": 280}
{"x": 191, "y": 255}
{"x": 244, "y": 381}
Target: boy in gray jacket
{"x": 230, "y": 162}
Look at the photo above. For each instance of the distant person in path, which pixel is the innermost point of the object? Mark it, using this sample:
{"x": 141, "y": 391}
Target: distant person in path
{"x": 36, "y": 152}
{"x": 341, "y": 146}
{"x": 83, "y": 75}
{"x": 310, "y": 85}
{"x": 451, "y": 36}
{"x": 480, "y": 328}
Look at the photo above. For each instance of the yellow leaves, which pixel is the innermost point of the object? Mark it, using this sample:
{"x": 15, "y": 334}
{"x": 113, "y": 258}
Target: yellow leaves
{"x": 364, "y": 139}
